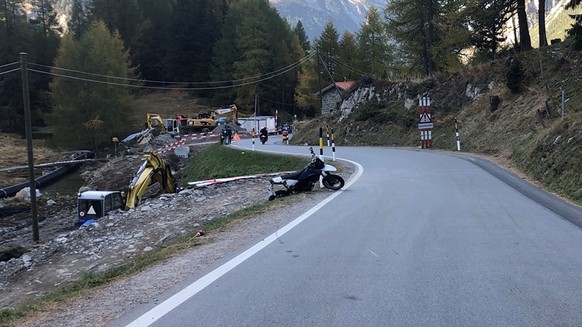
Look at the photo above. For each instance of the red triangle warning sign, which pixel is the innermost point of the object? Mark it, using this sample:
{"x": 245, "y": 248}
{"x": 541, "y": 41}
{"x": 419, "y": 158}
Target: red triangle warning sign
{"x": 425, "y": 118}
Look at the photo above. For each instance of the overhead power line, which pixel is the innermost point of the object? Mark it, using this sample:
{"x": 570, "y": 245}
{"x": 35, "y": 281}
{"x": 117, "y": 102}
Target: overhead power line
{"x": 10, "y": 71}
{"x": 10, "y": 64}
{"x": 232, "y": 83}
{"x": 352, "y": 69}
{"x": 270, "y": 76}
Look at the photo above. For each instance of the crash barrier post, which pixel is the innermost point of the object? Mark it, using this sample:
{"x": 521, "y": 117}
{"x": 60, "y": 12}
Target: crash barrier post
{"x": 425, "y": 125}
{"x": 253, "y": 133}
{"x": 327, "y": 134}
{"x": 332, "y": 145}
{"x": 321, "y": 143}
{"x": 457, "y": 136}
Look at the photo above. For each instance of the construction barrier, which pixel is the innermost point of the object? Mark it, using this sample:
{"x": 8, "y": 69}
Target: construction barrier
{"x": 198, "y": 136}
{"x": 172, "y": 146}
{"x": 321, "y": 143}
{"x": 332, "y": 145}
{"x": 457, "y": 136}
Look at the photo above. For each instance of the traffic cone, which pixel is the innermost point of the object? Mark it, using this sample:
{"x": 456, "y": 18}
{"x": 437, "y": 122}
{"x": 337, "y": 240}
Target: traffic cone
{"x": 236, "y": 137}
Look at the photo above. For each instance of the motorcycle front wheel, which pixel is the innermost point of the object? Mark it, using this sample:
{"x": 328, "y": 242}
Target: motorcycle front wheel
{"x": 333, "y": 182}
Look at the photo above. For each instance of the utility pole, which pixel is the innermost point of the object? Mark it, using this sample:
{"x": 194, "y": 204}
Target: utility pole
{"x": 28, "y": 127}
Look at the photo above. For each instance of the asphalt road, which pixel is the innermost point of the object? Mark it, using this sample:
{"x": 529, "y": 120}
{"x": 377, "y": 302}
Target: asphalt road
{"x": 420, "y": 238}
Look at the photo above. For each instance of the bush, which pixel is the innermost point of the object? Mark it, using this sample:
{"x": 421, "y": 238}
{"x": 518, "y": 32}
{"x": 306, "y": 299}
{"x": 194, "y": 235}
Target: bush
{"x": 515, "y": 76}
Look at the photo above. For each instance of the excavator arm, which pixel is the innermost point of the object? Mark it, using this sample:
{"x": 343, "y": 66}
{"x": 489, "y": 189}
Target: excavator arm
{"x": 153, "y": 169}
{"x": 231, "y": 109}
{"x": 155, "y": 121}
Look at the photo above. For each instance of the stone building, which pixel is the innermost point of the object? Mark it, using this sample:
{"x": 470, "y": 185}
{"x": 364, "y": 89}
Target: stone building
{"x": 332, "y": 95}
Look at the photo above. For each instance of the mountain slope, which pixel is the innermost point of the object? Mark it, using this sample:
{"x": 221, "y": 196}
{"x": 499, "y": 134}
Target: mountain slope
{"x": 346, "y": 15}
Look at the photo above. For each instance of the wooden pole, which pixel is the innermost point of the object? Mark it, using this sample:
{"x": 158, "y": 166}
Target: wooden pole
{"x": 28, "y": 127}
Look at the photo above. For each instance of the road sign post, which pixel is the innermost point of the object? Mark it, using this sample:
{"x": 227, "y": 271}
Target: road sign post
{"x": 425, "y": 125}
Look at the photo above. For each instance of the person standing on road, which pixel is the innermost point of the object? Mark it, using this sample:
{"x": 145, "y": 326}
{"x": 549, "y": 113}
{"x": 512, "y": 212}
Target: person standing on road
{"x": 223, "y": 136}
{"x": 285, "y": 136}
{"x": 228, "y": 134}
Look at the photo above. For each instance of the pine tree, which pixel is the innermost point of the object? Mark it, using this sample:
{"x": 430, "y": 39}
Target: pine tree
{"x": 121, "y": 15}
{"x": 97, "y": 111}
{"x": 15, "y": 36}
{"x": 150, "y": 50}
{"x": 543, "y": 40}
{"x": 302, "y": 35}
{"x": 524, "y": 38}
{"x": 194, "y": 30}
{"x": 576, "y": 31}
{"x": 79, "y": 21}
{"x": 515, "y": 76}
{"x": 488, "y": 20}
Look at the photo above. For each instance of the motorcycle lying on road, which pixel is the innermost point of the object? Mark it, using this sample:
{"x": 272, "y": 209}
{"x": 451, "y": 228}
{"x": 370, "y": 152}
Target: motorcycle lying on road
{"x": 304, "y": 180}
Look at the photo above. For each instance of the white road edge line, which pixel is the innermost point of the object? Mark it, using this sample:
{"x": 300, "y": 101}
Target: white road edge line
{"x": 189, "y": 291}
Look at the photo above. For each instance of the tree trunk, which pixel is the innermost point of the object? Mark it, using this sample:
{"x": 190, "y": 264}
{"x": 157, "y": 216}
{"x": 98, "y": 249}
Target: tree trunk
{"x": 524, "y": 39}
{"x": 542, "y": 23}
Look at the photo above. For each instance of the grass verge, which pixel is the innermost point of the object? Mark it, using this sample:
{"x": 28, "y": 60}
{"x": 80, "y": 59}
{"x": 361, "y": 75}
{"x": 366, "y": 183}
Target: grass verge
{"x": 219, "y": 161}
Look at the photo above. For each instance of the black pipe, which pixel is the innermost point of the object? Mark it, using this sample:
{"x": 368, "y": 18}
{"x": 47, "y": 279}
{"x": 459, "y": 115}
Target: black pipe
{"x": 49, "y": 178}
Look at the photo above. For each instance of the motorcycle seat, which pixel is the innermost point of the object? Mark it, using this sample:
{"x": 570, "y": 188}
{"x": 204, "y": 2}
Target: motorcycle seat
{"x": 294, "y": 175}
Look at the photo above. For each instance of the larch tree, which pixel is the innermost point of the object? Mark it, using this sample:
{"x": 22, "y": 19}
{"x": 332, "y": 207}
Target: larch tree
{"x": 88, "y": 110}
{"x": 253, "y": 44}
{"x": 349, "y": 58}
{"x": 411, "y": 24}
{"x": 327, "y": 46}
{"x": 307, "y": 88}
{"x": 374, "y": 44}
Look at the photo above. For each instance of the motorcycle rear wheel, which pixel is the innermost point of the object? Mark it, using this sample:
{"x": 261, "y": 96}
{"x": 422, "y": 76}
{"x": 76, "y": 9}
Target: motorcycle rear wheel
{"x": 333, "y": 182}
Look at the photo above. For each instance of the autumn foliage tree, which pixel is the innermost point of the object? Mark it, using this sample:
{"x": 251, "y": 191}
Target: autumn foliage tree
{"x": 101, "y": 105}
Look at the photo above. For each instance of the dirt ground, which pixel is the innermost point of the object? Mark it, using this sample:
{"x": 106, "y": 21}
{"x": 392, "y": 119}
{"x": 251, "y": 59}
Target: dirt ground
{"x": 20, "y": 257}
{"x": 30, "y": 269}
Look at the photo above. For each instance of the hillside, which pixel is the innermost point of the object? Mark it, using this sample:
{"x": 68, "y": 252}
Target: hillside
{"x": 523, "y": 132}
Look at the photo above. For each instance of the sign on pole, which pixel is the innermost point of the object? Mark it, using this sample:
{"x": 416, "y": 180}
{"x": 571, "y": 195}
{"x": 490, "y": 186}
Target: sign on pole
{"x": 425, "y": 124}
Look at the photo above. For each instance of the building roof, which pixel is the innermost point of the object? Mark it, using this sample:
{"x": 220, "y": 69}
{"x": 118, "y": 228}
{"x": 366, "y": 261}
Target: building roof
{"x": 343, "y": 86}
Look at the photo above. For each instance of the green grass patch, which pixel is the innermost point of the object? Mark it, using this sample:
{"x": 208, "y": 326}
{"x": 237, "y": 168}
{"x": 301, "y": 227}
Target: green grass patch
{"x": 220, "y": 161}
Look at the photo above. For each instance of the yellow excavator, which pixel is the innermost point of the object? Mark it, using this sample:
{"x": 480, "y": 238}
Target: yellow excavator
{"x": 232, "y": 109}
{"x": 92, "y": 205}
{"x": 153, "y": 169}
{"x": 155, "y": 122}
